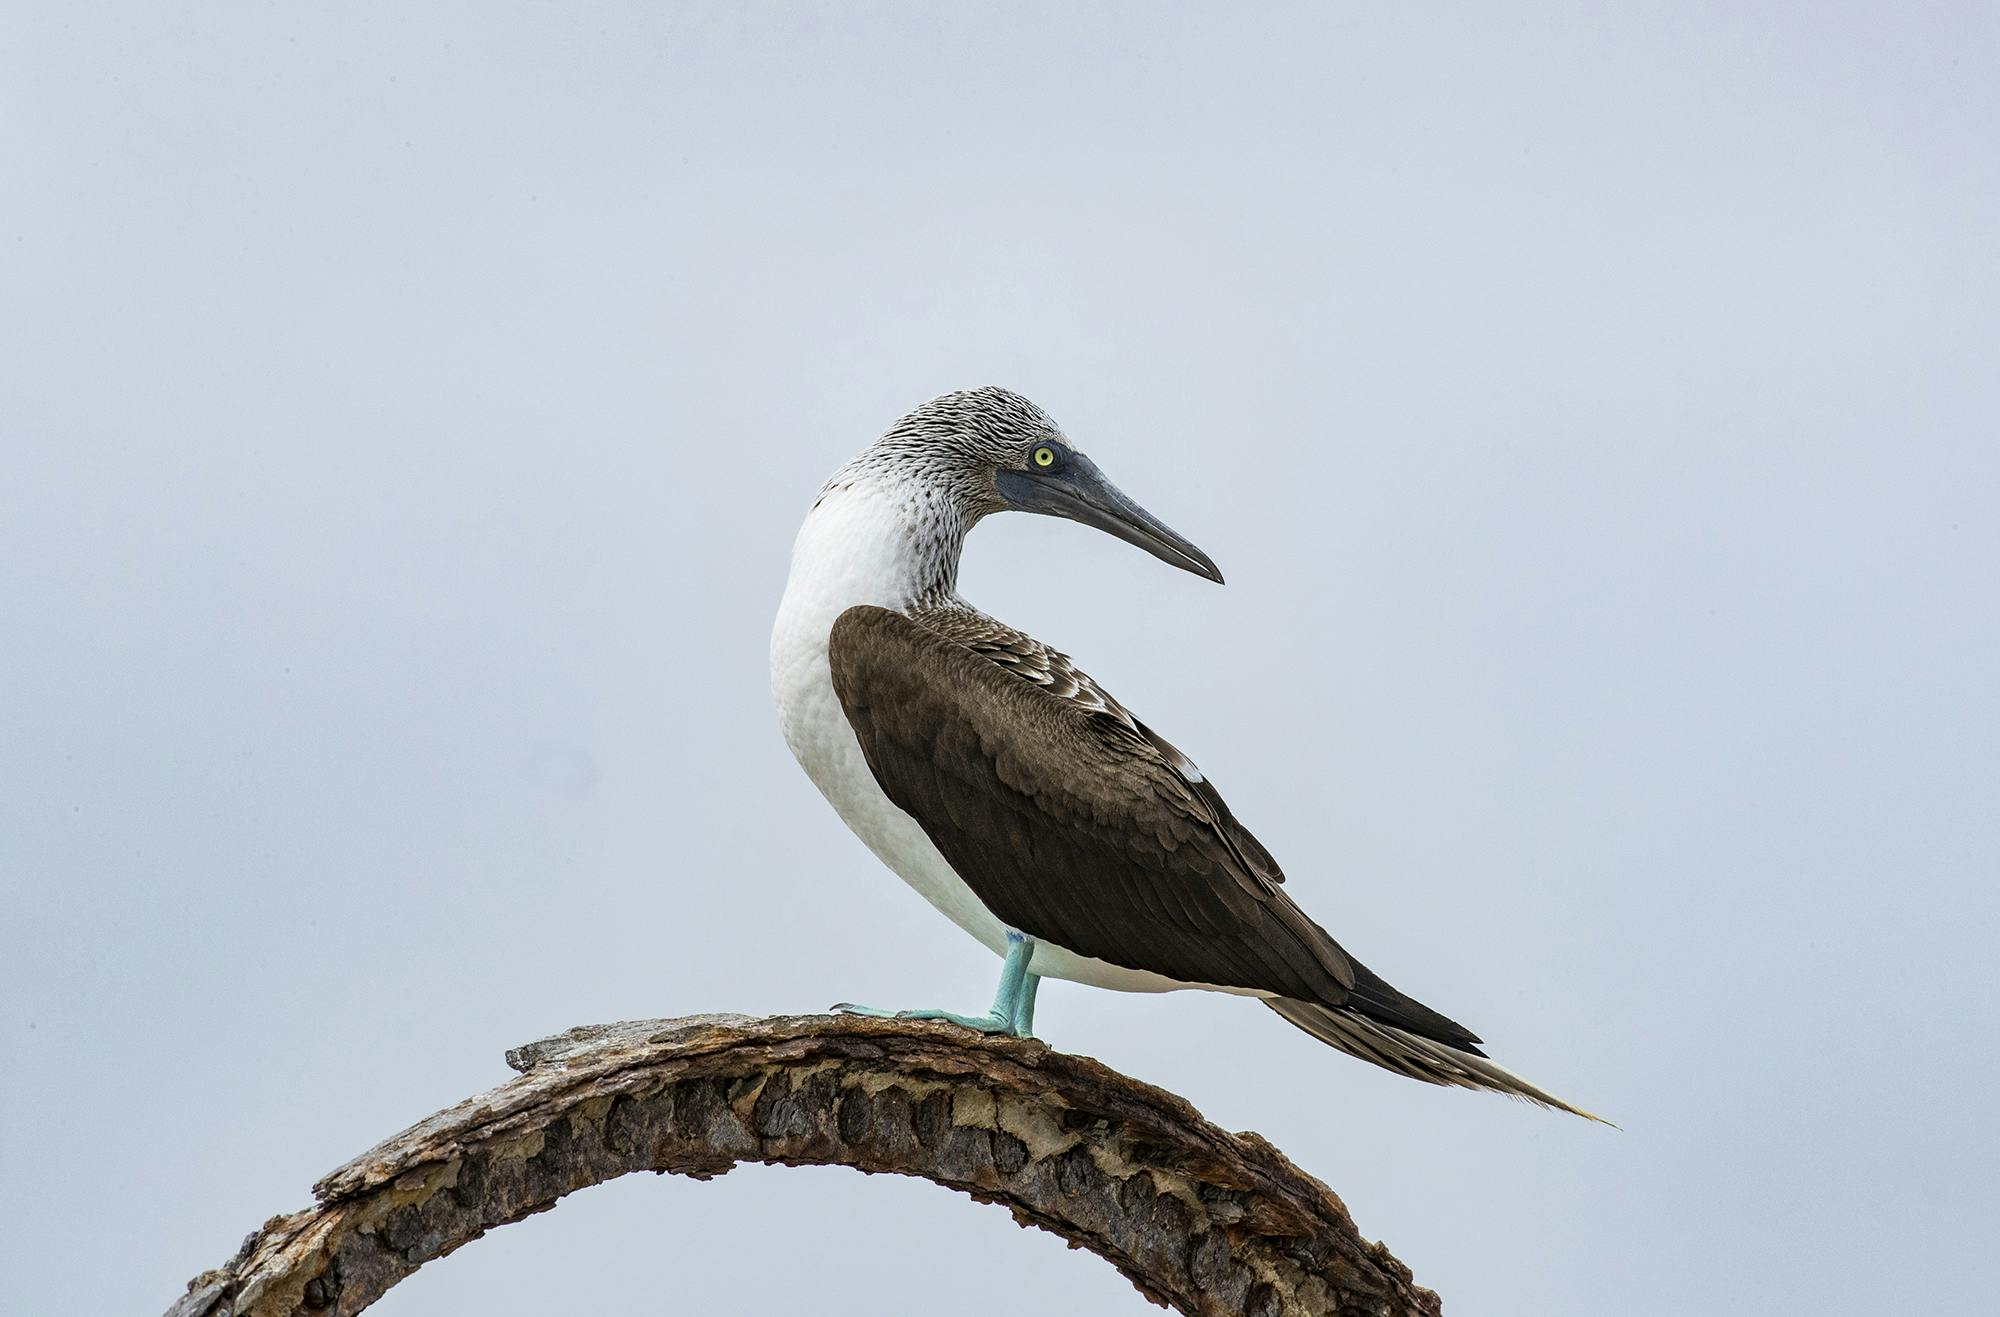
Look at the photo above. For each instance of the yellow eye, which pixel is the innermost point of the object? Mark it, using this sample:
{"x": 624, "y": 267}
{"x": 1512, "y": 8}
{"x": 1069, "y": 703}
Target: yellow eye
{"x": 1045, "y": 457}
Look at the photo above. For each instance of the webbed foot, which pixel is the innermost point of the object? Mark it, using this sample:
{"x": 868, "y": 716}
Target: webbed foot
{"x": 991, "y": 1022}
{"x": 1013, "y": 1010}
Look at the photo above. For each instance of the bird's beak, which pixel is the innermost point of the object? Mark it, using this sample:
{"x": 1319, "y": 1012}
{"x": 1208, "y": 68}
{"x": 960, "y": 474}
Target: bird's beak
{"x": 1080, "y": 492}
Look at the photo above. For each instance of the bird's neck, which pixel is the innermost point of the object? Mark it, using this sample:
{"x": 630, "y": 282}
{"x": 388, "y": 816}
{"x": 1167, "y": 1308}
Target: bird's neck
{"x": 869, "y": 540}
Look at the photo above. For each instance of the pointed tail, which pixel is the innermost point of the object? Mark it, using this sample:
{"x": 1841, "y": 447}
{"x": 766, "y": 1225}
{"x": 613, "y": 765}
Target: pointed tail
{"x": 1412, "y": 1054}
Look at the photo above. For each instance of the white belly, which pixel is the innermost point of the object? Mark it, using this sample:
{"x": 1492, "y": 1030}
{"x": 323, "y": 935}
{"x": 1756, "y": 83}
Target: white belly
{"x": 832, "y": 571}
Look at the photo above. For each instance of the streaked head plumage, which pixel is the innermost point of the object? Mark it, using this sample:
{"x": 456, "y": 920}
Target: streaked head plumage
{"x": 963, "y": 456}
{"x": 985, "y": 429}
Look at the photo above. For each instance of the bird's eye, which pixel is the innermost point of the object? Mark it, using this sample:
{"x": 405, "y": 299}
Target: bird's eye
{"x": 1045, "y": 456}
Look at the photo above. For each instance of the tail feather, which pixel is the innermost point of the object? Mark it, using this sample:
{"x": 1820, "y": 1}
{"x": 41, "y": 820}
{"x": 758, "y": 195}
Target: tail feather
{"x": 1412, "y": 1054}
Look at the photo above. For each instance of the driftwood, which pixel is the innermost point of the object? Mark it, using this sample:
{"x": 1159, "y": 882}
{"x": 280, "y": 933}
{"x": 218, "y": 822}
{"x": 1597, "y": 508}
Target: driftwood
{"x": 1201, "y": 1220}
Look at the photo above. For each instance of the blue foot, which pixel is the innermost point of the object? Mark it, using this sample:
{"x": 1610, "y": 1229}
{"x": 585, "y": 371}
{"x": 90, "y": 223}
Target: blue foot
{"x": 991, "y": 1022}
{"x": 1013, "y": 1010}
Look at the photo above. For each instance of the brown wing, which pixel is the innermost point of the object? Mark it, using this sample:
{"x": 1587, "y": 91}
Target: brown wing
{"x": 1070, "y": 822}
{"x": 1058, "y": 674}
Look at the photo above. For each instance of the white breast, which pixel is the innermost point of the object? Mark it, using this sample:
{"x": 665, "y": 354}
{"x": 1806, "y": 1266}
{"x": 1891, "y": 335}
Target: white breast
{"x": 852, "y": 550}
{"x": 855, "y": 549}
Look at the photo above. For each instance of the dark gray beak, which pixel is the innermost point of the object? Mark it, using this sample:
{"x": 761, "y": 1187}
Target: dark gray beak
{"x": 1080, "y": 492}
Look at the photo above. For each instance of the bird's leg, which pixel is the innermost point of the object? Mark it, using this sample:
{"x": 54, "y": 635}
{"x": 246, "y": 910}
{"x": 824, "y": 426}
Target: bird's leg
{"x": 1024, "y": 1008}
{"x": 1013, "y": 1005}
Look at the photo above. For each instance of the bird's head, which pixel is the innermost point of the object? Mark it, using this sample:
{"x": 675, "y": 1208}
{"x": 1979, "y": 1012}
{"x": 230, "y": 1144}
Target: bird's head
{"x": 991, "y": 450}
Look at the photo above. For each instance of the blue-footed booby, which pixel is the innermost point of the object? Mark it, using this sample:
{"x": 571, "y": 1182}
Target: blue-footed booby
{"x": 1011, "y": 790}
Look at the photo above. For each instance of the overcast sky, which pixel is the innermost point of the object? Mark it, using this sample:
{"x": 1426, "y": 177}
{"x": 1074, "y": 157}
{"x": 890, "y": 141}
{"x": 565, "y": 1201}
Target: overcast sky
{"x": 404, "y": 421}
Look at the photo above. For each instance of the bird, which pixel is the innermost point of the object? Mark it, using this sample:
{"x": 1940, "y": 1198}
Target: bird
{"x": 1012, "y": 791}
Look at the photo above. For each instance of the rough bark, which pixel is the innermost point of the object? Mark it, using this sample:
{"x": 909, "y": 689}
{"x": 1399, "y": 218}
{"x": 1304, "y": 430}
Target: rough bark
{"x": 1201, "y": 1220}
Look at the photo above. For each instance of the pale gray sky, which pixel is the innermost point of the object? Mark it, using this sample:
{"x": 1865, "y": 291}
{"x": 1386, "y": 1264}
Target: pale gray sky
{"x": 407, "y": 411}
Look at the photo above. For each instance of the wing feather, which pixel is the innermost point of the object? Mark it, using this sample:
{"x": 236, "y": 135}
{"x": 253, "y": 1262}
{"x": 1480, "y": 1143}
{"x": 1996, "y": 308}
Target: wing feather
{"x": 1070, "y": 820}
{"x": 1076, "y": 823}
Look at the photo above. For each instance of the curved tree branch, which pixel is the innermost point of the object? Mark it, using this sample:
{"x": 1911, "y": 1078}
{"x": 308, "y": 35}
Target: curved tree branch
{"x": 1203, "y": 1221}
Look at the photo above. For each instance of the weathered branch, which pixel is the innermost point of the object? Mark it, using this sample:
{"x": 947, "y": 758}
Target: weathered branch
{"x": 1201, "y": 1220}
